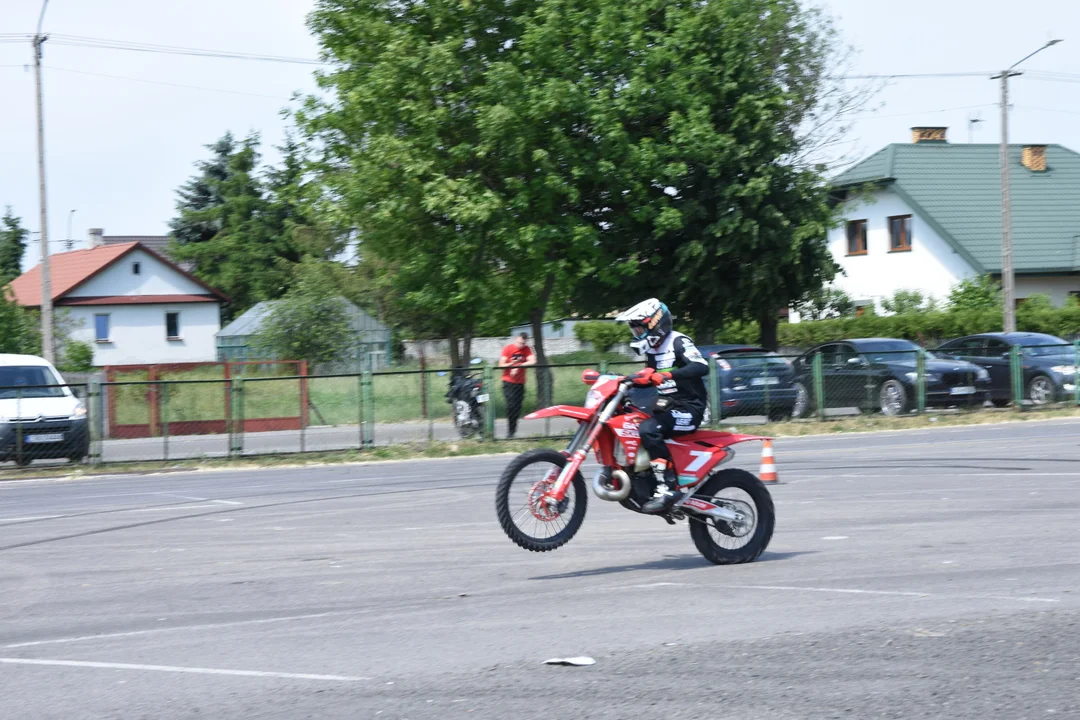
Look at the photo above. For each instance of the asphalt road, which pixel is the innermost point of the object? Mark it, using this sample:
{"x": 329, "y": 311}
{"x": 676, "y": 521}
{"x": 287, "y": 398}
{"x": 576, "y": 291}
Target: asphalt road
{"x": 912, "y": 575}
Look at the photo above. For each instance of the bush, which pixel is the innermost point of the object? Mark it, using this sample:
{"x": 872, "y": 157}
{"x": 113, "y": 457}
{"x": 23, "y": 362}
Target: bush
{"x": 309, "y": 323}
{"x": 979, "y": 293}
{"x": 78, "y": 357}
{"x": 602, "y": 335}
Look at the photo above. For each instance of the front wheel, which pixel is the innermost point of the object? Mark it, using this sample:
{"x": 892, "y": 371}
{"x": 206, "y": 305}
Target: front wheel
{"x": 463, "y": 419}
{"x": 1041, "y": 390}
{"x": 893, "y": 398}
{"x": 724, "y": 543}
{"x": 527, "y": 515}
{"x": 804, "y": 404}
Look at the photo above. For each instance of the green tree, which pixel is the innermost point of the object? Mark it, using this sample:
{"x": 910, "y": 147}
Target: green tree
{"x": 904, "y": 302}
{"x": 978, "y": 293}
{"x": 602, "y": 335}
{"x": 19, "y": 331}
{"x": 825, "y": 303}
{"x": 202, "y": 194}
{"x": 309, "y": 323}
{"x": 78, "y": 357}
{"x": 12, "y": 246}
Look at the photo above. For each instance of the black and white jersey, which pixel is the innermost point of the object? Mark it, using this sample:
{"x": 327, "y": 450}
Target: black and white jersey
{"x": 679, "y": 356}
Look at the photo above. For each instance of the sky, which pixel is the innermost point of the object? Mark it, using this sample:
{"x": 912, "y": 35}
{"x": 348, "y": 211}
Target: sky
{"x": 117, "y": 148}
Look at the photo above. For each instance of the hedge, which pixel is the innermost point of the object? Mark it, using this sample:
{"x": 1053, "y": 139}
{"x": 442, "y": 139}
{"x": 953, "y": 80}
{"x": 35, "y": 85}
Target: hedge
{"x": 926, "y": 328}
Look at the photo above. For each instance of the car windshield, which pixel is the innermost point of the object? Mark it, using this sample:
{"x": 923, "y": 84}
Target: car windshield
{"x": 883, "y": 351}
{"x": 19, "y": 381}
{"x": 752, "y": 359}
{"x": 1047, "y": 346}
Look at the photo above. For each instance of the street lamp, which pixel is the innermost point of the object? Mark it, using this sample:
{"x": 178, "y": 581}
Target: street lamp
{"x": 1008, "y": 281}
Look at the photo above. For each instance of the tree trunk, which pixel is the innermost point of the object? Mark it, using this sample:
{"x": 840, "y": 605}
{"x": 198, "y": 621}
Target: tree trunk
{"x": 769, "y": 321}
{"x": 455, "y": 356}
{"x": 536, "y": 319}
{"x": 466, "y": 349}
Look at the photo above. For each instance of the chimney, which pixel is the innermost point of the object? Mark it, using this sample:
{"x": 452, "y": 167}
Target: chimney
{"x": 928, "y": 135}
{"x": 96, "y": 237}
{"x": 1034, "y": 158}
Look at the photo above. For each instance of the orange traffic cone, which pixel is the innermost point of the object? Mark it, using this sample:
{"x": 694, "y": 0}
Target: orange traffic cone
{"x": 768, "y": 464}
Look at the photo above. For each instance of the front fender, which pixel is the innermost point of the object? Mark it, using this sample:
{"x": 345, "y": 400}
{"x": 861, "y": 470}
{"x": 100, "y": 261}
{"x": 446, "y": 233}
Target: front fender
{"x": 569, "y": 411}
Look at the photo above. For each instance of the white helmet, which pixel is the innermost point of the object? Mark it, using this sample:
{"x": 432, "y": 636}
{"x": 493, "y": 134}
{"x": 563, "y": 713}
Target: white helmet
{"x": 650, "y": 323}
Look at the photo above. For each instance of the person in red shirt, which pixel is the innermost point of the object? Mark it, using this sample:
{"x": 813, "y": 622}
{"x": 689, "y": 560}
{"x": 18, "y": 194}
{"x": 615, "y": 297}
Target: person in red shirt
{"x": 514, "y": 358}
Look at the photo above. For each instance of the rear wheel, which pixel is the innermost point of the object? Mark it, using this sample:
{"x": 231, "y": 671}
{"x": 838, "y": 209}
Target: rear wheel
{"x": 463, "y": 419}
{"x": 725, "y": 543}
{"x": 530, "y": 518}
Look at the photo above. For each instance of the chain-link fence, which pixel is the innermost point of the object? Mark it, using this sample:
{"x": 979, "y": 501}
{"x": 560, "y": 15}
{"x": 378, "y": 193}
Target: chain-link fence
{"x": 258, "y": 412}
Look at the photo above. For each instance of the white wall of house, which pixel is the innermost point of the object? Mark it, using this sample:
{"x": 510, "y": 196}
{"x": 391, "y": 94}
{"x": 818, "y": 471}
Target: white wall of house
{"x": 1057, "y": 287}
{"x": 931, "y": 266}
{"x": 137, "y": 332}
{"x": 154, "y": 278}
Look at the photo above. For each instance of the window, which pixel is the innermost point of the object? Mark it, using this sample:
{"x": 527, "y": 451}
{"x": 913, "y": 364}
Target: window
{"x": 136, "y": 268}
{"x": 101, "y": 328}
{"x": 172, "y": 326}
{"x": 899, "y": 233}
{"x": 998, "y": 348}
{"x": 856, "y": 237}
{"x": 971, "y": 347}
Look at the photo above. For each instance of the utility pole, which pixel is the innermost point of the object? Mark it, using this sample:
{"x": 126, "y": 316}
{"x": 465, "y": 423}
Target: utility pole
{"x": 1008, "y": 288}
{"x": 1008, "y": 278}
{"x": 47, "y": 344}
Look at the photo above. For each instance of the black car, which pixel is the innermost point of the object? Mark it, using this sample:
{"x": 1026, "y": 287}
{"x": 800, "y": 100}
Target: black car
{"x": 1049, "y": 364}
{"x": 880, "y": 374}
{"x": 753, "y": 381}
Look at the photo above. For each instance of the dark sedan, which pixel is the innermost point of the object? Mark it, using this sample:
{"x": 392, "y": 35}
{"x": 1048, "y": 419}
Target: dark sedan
{"x": 880, "y": 374}
{"x": 753, "y": 381}
{"x": 1048, "y": 362}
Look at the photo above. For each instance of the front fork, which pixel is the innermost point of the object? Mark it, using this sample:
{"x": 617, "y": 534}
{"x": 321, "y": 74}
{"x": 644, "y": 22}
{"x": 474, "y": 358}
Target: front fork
{"x": 581, "y": 445}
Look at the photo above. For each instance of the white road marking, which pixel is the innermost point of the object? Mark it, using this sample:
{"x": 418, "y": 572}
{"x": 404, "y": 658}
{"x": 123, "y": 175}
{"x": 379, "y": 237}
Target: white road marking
{"x": 155, "y": 631}
{"x": 176, "y": 669}
{"x": 182, "y": 497}
{"x": 895, "y": 593}
{"x": 35, "y": 517}
{"x": 835, "y": 537}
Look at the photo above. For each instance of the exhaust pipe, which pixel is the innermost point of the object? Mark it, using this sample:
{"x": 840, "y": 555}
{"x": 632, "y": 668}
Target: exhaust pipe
{"x": 605, "y": 490}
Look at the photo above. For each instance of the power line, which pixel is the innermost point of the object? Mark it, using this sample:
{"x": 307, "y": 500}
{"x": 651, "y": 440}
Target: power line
{"x": 100, "y": 43}
{"x": 1042, "y": 109}
{"x": 916, "y": 76}
{"x": 170, "y": 84}
{"x": 921, "y": 112}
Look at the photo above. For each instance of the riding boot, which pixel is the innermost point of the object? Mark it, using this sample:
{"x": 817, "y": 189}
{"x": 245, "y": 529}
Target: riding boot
{"x": 667, "y": 488}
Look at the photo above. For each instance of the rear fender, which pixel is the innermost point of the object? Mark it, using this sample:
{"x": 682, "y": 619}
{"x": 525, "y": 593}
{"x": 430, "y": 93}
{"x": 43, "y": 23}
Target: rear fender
{"x": 569, "y": 411}
{"x": 698, "y": 454}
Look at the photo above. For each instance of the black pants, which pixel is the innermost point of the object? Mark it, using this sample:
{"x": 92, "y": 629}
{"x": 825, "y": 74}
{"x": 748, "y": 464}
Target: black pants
{"x": 514, "y": 393}
{"x": 669, "y": 418}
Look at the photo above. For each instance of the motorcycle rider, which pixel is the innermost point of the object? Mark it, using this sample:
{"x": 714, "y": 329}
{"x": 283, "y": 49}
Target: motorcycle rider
{"x": 678, "y": 370}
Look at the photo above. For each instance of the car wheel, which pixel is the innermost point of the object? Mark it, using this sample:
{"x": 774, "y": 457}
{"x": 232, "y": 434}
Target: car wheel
{"x": 1041, "y": 390}
{"x": 779, "y": 415}
{"x": 892, "y": 398}
{"x": 1001, "y": 403}
{"x": 803, "y": 404}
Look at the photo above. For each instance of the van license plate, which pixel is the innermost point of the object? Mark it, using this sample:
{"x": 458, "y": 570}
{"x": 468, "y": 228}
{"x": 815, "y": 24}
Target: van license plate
{"x": 46, "y": 438}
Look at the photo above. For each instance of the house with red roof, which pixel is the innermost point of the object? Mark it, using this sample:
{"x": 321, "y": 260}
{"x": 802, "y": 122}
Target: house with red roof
{"x": 131, "y": 304}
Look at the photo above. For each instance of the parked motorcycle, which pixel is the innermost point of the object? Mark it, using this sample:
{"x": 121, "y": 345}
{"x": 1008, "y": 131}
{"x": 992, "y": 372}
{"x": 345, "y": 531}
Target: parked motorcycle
{"x": 541, "y": 497}
{"x": 466, "y": 396}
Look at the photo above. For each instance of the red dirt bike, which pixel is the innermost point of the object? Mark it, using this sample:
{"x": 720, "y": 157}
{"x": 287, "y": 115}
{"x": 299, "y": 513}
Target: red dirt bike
{"x": 541, "y": 497}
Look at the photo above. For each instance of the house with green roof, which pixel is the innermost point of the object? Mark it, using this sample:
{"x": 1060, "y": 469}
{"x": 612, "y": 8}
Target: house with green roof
{"x": 926, "y": 215}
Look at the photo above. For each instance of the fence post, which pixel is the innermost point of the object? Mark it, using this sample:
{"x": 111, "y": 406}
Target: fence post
{"x": 19, "y": 429}
{"x": 1016, "y": 368}
{"x": 714, "y": 394}
{"x": 360, "y": 411}
{"x": 819, "y": 387}
{"x": 165, "y": 419}
{"x": 920, "y": 381}
{"x": 489, "y": 406}
{"x": 603, "y": 367}
{"x": 303, "y": 407}
{"x": 369, "y": 408}
{"x": 95, "y": 408}
{"x": 765, "y": 378}
{"x": 236, "y": 435}
{"x": 1076, "y": 372}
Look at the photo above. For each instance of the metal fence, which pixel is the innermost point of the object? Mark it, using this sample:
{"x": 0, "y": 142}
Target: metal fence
{"x": 176, "y": 419}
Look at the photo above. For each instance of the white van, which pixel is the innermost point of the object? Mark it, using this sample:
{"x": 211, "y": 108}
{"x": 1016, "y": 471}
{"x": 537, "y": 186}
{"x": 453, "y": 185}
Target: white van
{"x": 39, "y": 415}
